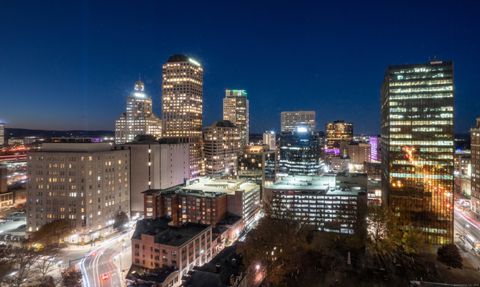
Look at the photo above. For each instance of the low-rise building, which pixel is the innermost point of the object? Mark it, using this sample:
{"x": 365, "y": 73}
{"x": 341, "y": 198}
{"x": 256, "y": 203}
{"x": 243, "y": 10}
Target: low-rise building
{"x": 83, "y": 182}
{"x": 169, "y": 250}
{"x": 319, "y": 201}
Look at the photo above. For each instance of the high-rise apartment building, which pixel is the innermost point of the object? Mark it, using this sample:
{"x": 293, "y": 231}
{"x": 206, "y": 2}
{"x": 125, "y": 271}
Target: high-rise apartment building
{"x": 270, "y": 139}
{"x": 182, "y": 105}
{"x": 236, "y": 110}
{"x": 85, "y": 183}
{"x": 155, "y": 165}
{"x": 221, "y": 147}
{"x": 417, "y": 147}
{"x": 2, "y": 134}
{"x": 290, "y": 120}
{"x": 299, "y": 152}
{"x": 138, "y": 118}
{"x": 338, "y": 132}
{"x": 475, "y": 162}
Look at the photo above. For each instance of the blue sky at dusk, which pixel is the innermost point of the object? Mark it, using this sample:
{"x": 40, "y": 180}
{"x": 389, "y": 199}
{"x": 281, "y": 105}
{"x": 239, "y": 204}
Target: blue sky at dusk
{"x": 71, "y": 64}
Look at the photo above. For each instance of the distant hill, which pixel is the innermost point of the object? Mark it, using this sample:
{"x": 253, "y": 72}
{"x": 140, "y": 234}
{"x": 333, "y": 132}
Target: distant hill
{"x": 20, "y": 133}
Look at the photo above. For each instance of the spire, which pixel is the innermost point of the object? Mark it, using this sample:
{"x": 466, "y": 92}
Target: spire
{"x": 139, "y": 86}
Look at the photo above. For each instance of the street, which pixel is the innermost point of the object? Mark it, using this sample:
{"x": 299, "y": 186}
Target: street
{"x": 465, "y": 224}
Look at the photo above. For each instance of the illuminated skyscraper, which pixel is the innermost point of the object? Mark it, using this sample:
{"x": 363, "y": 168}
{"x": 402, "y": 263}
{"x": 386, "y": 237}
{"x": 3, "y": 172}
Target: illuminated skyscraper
{"x": 138, "y": 118}
{"x": 299, "y": 152}
{"x": 475, "y": 179}
{"x": 417, "y": 147}
{"x": 270, "y": 139}
{"x": 221, "y": 147}
{"x": 236, "y": 110}
{"x": 337, "y": 132}
{"x": 290, "y": 120}
{"x": 182, "y": 105}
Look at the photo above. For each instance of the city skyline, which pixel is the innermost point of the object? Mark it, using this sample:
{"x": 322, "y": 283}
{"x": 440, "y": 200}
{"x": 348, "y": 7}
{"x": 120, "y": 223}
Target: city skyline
{"x": 83, "y": 71}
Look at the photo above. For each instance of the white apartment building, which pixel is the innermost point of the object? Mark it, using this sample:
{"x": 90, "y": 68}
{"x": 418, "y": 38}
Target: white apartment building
{"x": 86, "y": 183}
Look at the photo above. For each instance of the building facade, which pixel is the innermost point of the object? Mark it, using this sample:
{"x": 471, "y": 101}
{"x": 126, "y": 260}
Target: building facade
{"x": 338, "y": 132}
{"x": 417, "y": 147}
{"x": 318, "y": 201}
{"x": 170, "y": 250}
{"x": 236, "y": 110}
{"x": 182, "y": 105}
{"x": 139, "y": 118}
{"x": 85, "y": 183}
{"x": 2, "y": 134}
{"x": 299, "y": 152}
{"x": 290, "y": 120}
{"x": 221, "y": 148}
{"x": 270, "y": 139}
{"x": 155, "y": 165}
{"x": 258, "y": 164}
{"x": 475, "y": 158}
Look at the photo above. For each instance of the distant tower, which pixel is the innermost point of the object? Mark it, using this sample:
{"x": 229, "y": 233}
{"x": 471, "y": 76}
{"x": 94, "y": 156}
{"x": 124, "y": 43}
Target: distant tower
{"x": 182, "y": 105}
{"x": 290, "y": 120}
{"x": 269, "y": 138}
{"x": 222, "y": 145}
{"x": 475, "y": 141}
{"x": 338, "y": 132}
{"x": 236, "y": 110}
{"x": 2, "y": 134}
{"x": 138, "y": 118}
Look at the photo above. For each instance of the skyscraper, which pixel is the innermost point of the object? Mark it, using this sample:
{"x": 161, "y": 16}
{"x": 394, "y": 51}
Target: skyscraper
{"x": 475, "y": 160}
{"x": 417, "y": 147}
{"x": 221, "y": 147}
{"x": 236, "y": 110}
{"x": 270, "y": 139}
{"x": 338, "y": 132}
{"x": 182, "y": 105}
{"x": 138, "y": 118}
{"x": 2, "y": 134}
{"x": 290, "y": 120}
{"x": 299, "y": 152}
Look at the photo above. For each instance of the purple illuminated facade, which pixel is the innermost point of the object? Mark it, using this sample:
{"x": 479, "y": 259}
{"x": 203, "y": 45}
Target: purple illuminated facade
{"x": 373, "y": 149}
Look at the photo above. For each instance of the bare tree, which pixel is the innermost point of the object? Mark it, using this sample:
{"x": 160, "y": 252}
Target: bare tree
{"x": 23, "y": 260}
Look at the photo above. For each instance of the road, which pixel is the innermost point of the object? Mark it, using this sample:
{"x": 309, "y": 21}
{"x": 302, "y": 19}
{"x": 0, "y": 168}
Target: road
{"x": 106, "y": 264}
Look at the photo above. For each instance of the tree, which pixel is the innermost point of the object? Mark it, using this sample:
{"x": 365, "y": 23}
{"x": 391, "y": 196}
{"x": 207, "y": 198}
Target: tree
{"x": 45, "y": 264}
{"x": 52, "y": 233}
{"x": 121, "y": 218}
{"x": 449, "y": 255}
{"x": 71, "y": 277}
{"x": 22, "y": 260}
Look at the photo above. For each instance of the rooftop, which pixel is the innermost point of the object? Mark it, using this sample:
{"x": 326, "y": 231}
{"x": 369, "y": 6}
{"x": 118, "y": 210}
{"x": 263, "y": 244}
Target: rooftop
{"x": 218, "y": 185}
{"x": 168, "y": 235}
{"x": 326, "y": 183}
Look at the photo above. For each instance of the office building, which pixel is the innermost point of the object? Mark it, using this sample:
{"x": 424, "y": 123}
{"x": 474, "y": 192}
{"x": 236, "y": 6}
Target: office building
{"x": 236, "y": 110}
{"x": 182, "y": 105}
{"x": 299, "y": 152}
{"x": 258, "y": 164}
{"x": 83, "y": 182}
{"x": 338, "y": 132}
{"x": 269, "y": 139}
{"x": 221, "y": 148}
{"x": 374, "y": 148}
{"x": 205, "y": 200}
{"x": 462, "y": 163}
{"x": 417, "y": 147}
{"x": 155, "y": 164}
{"x": 359, "y": 153}
{"x": 290, "y": 120}
{"x": 475, "y": 162}
{"x": 163, "y": 254}
{"x": 138, "y": 118}
{"x": 2, "y": 134}
{"x": 318, "y": 201}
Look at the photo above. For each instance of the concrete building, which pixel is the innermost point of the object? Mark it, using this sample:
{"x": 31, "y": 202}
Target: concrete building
{"x": 270, "y": 139}
{"x": 182, "y": 105}
{"x": 155, "y": 164}
{"x": 338, "y": 132}
{"x": 417, "y": 147}
{"x": 205, "y": 200}
{"x": 290, "y": 120}
{"x": 2, "y": 134}
{"x": 163, "y": 254}
{"x": 258, "y": 164}
{"x": 221, "y": 148}
{"x": 299, "y": 152}
{"x": 475, "y": 158}
{"x": 85, "y": 183}
{"x": 462, "y": 163}
{"x": 139, "y": 118}
{"x": 6, "y": 197}
{"x": 236, "y": 110}
{"x": 319, "y": 201}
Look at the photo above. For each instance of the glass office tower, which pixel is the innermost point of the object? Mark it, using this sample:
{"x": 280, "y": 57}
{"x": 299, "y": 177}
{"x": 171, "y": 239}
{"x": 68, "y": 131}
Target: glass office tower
{"x": 417, "y": 147}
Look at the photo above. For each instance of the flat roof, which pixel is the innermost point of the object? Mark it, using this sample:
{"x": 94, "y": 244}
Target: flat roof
{"x": 168, "y": 235}
{"x": 218, "y": 185}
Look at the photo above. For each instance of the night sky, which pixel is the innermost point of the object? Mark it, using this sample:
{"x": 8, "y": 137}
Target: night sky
{"x": 71, "y": 64}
